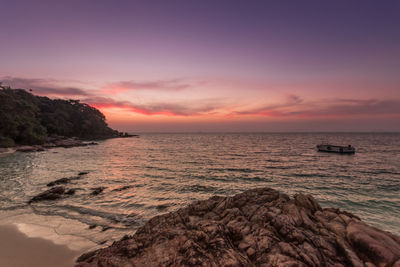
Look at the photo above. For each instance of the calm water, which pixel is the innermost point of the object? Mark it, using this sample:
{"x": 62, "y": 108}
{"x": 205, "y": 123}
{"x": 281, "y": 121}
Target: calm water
{"x": 158, "y": 173}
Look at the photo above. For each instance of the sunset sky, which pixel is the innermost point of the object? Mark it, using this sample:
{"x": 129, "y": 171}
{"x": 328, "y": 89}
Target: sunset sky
{"x": 190, "y": 66}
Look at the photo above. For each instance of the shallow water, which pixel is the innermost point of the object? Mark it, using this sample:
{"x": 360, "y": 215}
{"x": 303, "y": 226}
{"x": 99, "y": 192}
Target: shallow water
{"x": 158, "y": 173}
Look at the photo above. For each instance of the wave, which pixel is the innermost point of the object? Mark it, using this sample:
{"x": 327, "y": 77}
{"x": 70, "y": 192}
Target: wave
{"x": 15, "y": 207}
{"x": 245, "y": 170}
{"x": 198, "y": 188}
{"x": 309, "y": 175}
{"x": 126, "y": 219}
{"x": 379, "y": 172}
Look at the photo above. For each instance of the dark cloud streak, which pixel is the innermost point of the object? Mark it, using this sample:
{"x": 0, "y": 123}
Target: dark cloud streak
{"x": 44, "y": 87}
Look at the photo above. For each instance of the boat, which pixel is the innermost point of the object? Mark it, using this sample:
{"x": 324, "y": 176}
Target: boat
{"x": 336, "y": 149}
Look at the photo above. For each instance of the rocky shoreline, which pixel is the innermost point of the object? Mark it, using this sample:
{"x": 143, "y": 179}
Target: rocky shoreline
{"x": 58, "y": 141}
{"x": 53, "y": 143}
{"x": 260, "y": 227}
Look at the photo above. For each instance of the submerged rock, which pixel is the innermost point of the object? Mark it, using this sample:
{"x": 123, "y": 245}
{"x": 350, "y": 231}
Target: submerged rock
{"x": 260, "y": 227}
{"x": 51, "y": 194}
{"x": 97, "y": 190}
{"x": 70, "y": 191}
{"x": 59, "y": 181}
{"x": 67, "y": 179}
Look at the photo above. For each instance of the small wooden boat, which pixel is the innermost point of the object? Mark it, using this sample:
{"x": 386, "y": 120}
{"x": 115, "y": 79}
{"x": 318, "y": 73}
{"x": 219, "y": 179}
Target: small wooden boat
{"x": 337, "y": 149}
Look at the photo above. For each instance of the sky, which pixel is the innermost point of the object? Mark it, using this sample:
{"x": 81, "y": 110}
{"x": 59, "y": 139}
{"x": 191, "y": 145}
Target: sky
{"x": 211, "y": 66}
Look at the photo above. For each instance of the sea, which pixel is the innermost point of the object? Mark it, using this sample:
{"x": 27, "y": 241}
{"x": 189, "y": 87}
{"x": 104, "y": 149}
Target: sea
{"x": 158, "y": 173}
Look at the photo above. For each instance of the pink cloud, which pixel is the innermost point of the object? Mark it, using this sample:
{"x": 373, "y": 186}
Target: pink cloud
{"x": 292, "y": 106}
{"x": 151, "y": 109}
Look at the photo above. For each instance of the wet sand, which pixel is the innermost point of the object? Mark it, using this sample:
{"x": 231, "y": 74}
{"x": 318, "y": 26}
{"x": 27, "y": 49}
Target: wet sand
{"x": 19, "y": 250}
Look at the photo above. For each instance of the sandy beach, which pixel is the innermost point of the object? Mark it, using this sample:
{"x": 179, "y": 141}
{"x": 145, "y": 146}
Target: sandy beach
{"x": 32, "y": 240}
{"x": 19, "y": 250}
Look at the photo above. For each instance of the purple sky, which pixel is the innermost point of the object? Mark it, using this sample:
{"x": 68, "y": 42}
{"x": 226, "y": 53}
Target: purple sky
{"x": 212, "y": 65}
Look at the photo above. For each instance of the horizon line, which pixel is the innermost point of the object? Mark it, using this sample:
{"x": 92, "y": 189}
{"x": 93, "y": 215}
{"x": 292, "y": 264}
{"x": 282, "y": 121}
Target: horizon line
{"x": 264, "y": 132}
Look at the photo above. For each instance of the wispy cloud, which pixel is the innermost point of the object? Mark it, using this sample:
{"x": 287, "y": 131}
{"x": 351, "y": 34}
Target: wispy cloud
{"x": 171, "y": 109}
{"x": 294, "y": 106}
{"x": 350, "y": 107}
{"x": 288, "y": 106}
{"x": 158, "y": 85}
{"x": 291, "y": 106}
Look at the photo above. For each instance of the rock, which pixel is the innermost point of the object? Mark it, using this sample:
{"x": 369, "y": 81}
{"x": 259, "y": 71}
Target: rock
{"x": 92, "y": 144}
{"x": 51, "y": 194}
{"x": 105, "y": 228}
{"x": 30, "y": 148}
{"x": 69, "y": 142}
{"x": 125, "y": 135}
{"x": 372, "y": 244}
{"x": 260, "y": 227}
{"x": 70, "y": 191}
{"x": 56, "y": 141}
{"x": 86, "y": 256}
{"x": 67, "y": 180}
{"x": 59, "y": 181}
{"x": 97, "y": 190}
{"x": 162, "y": 207}
{"x": 307, "y": 202}
{"x": 49, "y": 145}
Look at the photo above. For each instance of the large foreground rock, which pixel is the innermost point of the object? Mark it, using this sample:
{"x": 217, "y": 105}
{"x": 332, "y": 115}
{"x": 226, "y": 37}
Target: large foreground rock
{"x": 260, "y": 227}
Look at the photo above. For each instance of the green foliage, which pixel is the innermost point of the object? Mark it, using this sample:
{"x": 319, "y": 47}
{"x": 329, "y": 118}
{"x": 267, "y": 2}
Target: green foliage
{"x": 29, "y": 119}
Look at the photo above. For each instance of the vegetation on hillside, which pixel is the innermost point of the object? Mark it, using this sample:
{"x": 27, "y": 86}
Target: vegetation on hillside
{"x": 29, "y": 119}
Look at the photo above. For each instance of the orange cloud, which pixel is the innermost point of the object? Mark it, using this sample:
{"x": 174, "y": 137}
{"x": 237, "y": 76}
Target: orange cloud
{"x": 167, "y": 109}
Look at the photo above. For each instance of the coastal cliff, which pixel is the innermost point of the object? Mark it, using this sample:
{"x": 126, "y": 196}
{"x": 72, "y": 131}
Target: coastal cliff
{"x": 27, "y": 119}
{"x": 260, "y": 227}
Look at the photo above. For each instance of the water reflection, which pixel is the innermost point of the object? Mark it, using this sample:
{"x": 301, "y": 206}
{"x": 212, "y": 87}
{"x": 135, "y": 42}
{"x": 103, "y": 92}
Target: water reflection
{"x": 158, "y": 173}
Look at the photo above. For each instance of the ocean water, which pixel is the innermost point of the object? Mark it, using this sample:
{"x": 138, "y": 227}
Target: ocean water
{"x": 159, "y": 173}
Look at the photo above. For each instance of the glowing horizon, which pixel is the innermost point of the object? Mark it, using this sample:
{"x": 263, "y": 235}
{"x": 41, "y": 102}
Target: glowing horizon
{"x": 227, "y": 66}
